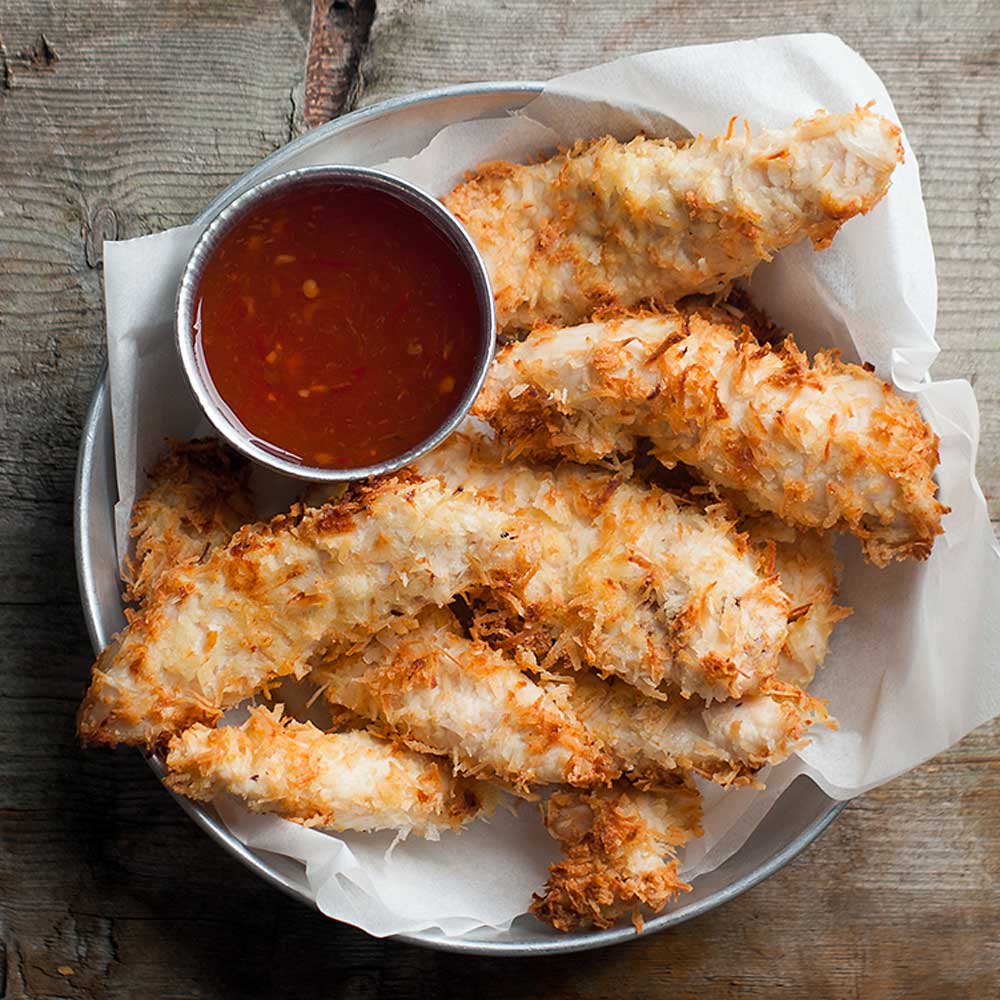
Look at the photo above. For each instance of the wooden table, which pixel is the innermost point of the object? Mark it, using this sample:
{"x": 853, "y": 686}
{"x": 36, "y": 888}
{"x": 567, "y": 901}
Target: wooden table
{"x": 120, "y": 119}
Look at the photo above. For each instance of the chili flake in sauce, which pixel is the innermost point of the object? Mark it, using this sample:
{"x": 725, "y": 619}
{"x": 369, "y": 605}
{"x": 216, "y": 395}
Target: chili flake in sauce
{"x": 338, "y": 325}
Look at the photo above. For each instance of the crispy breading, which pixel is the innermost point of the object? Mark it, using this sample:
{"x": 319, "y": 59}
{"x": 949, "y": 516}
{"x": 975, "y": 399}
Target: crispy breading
{"x": 255, "y": 610}
{"x": 630, "y": 581}
{"x": 443, "y": 693}
{"x": 808, "y": 570}
{"x": 610, "y": 224}
{"x": 196, "y": 498}
{"x": 803, "y": 559}
{"x": 618, "y": 853}
{"x": 338, "y": 781}
{"x": 727, "y": 741}
{"x": 650, "y": 589}
{"x": 823, "y": 445}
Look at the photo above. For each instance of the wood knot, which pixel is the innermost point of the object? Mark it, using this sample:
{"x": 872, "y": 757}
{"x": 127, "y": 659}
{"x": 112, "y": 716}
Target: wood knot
{"x": 102, "y": 225}
{"x": 40, "y": 56}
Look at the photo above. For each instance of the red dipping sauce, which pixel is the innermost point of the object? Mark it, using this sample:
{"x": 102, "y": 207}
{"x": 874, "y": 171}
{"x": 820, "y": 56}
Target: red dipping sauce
{"x": 338, "y": 325}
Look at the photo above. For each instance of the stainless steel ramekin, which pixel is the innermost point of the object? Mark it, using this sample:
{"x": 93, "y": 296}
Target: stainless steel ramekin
{"x": 346, "y": 176}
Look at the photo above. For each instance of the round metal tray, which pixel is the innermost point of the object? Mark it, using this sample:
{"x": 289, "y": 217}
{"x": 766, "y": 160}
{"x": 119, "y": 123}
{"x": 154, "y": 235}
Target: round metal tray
{"x": 401, "y": 127}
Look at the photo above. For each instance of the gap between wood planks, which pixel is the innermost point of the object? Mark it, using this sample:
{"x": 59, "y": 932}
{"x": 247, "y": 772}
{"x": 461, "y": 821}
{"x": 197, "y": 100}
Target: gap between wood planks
{"x": 338, "y": 36}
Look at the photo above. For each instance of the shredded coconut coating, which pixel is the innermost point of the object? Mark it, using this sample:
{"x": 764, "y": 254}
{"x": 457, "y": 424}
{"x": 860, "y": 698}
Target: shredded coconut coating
{"x": 630, "y": 580}
{"x": 197, "y": 498}
{"x": 443, "y": 693}
{"x": 808, "y": 571}
{"x": 826, "y": 445}
{"x": 618, "y": 853}
{"x": 338, "y": 781}
{"x": 608, "y": 224}
{"x": 255, "y": 610}
{"x": 726, "y": 741}
{"x": 677, "y": 587}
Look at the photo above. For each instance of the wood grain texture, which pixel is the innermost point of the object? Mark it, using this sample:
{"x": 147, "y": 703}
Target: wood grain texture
{"x": 124, "y": 118}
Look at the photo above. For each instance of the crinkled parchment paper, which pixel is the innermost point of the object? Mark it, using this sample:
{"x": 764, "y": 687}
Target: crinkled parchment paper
{"x": 910, "y": 673}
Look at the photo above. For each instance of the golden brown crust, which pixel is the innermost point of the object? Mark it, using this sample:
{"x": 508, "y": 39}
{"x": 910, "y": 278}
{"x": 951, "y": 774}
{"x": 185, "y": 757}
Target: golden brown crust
{"x": 805, "y": 563}
{"x": 648, "y": 588}
{"x": 441, "y": 692}
{"x": 618, "y": 849}
{"x": 653, "y": 740}
{"x": 726, "y": 742}
{"x": 197, "y": 497}
{"x": 214, "y": 632}
{"x": 629, "y": 580}
{"x": 606, "y": 224}
{"x": 823, "y": 445}
{"x": 337, "y": 781}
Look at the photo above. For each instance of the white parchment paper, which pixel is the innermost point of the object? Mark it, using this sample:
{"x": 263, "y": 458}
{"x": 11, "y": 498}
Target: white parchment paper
{"x": 910, "y": 673}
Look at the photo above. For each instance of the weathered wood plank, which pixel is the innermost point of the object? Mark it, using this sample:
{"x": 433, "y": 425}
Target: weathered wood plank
{"x": 135, "y": 118}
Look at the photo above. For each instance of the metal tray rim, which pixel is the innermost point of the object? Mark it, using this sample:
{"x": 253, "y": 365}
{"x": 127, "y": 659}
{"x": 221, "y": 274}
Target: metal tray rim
{"x": 97, "y": 414}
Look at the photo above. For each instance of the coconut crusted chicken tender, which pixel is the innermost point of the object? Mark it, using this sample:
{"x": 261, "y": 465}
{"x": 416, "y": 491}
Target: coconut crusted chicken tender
{"x": 338, "y": 781}
{"x": 256, "y": 609}
{"x": 631, "y": 581}
{"x": 803, "y": 561}
{"x": 651, "y": 739}
{"x": 608, "y": 224}
{"x": 441, "y": 692}
{"x": 196, "y": 499}
{"x": 808, "y": 571}
{"x": 826, "y": 445}
{"x": 726, "y": 742}
{"x": 618, "y": 853}
{"x": 653, "y": 590}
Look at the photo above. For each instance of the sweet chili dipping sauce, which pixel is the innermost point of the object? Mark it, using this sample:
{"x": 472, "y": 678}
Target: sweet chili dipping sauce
{"x": 338, "y": 325}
